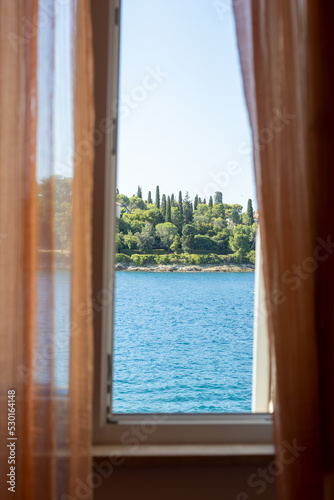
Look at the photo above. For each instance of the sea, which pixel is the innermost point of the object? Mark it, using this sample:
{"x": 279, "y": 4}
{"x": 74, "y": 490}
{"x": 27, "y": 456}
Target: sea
{"x": 183, "y": 342}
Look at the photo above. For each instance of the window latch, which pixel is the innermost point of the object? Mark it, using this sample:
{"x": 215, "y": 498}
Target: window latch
{"x": 114, "y": 138}
{"x": 116, "y": 16}
{"x": 108, "y": 384}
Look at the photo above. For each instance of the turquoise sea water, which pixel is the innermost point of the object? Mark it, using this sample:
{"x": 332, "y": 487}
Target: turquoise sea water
{"x": 183, "y": 342}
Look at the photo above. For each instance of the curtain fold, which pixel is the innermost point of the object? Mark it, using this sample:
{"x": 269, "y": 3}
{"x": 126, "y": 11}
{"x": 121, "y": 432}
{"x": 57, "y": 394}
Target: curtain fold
{"x": 46, "y": 157}
{"x": 18, "y": 86}
{"x": 81, "y": 396}
{"x": 286, "y": 63}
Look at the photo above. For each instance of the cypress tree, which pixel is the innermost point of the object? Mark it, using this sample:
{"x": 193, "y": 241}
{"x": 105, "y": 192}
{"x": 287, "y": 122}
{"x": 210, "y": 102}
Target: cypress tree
{"x": 139, "y": 192}
{"x": 204, "y": 201}
{"x": 172, "y": 198}
{"x": 157, "y": 197}
{"x": 196, "y": 202}
{"x": 250, "y": 213}
{"x": 210, "y": 202}
{"x": 168, "y": 217}
{"x": 200, "y": 200}
{"x": 180, "y": 203}
{"x": 163, "y": 205}
{"x": 188, "y": 237}
{"x": 187, "y": 209}
{"x": 149, "y": 198}
{"x": 218, "y": 197}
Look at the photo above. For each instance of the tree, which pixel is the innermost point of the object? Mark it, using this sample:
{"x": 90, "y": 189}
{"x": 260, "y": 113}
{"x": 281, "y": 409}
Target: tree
{"x": 168, "y": 211}
{"x": 180, "y": 203}
{"x": 149, "y": 198}
{"x": 163, "y": 205}
{"x": 218, "y": 197}
{"x": 233, "y": 212}
{"x": 219, "y": 222}
{"x": 133, "y": 224}
{"x": 235, "y": 216}
{"x": 204, "y": 201}
{"x": 239, "y": 242}
{"x": 219, "y": 211}
{"x": 157, "y": 197}
{"x": 136, "y": 202}
{"x": 196, "y": 201}
{"x": 145, "y": 239}
{"x": 250, "y": 213}
{"x": 166, "y": 232}
{"x": 123, "y": 200}
{"x": 153, "y": 216}
{"x": 139, "y": 192}
{"x": 144, "y": 226}
{"x": 202, "y": 214}
{"x": 119, "y": 241}
{"x": 130, "y": 241}
{"x": 122, "y": 225}
{"x": 138, "y": 218}
{"x": 176, "y": 243}
{"x": 187, "y": 209}
{"x": 203, "y": 242}
{"x": 252, "y": 235}
{"x": 188, "y": 237}
{"x": 177, "y": 218}
{"x": 221, "y": 242}
{"x": 251, "y": 256}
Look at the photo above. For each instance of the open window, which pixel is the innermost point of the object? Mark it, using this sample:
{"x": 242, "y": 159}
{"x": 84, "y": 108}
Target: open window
{"x": 173, "y": 386}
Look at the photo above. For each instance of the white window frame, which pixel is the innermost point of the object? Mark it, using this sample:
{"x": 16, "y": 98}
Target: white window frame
{"x": 150, "y": 430}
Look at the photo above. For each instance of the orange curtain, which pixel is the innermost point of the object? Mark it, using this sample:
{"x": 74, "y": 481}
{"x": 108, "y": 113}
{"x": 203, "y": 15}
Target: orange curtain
{"x": 46, "y": 156}
{"x": 287, "y": 65}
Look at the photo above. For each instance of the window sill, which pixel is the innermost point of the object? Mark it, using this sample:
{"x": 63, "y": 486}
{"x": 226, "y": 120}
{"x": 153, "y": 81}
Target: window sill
{"x": 197, "y": 450}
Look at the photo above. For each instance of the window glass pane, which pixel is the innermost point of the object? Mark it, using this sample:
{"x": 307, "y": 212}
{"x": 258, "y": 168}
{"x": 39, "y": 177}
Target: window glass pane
{"x": 184, "y": 287}
{"x": 54, "y": 190}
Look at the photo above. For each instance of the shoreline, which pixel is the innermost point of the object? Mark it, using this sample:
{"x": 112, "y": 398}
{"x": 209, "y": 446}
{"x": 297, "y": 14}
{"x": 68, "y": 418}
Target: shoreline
{"x": 63, "y": 261}
{"x": 242, "y": 268}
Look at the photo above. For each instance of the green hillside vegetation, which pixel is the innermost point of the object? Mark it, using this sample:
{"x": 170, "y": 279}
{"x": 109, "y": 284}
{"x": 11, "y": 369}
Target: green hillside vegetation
{"x": 163, "y": 229}
{"x": 176, "y": 229}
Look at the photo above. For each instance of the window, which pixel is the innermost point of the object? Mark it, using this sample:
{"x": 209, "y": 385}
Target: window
{"x": 176, "y": 427}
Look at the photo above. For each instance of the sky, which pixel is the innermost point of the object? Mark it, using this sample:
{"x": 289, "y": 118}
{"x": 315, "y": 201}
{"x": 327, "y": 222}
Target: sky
{"x": 183, "y": 121}
{"x": 55, "y": 101}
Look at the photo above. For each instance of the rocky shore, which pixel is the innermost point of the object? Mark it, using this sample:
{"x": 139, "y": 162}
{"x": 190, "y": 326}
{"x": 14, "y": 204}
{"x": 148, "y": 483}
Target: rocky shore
{"x": 233, "y": 268}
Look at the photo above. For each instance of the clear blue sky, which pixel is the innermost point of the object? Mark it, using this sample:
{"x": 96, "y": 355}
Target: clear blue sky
{"x": 188, "y": 130}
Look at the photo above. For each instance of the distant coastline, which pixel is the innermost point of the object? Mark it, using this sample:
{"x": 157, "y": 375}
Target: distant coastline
{"x": 242, "y": 268}
{"x": 182, "y": 262}
{"x": 48, "y": 259}
{"x": 195, "y": 232}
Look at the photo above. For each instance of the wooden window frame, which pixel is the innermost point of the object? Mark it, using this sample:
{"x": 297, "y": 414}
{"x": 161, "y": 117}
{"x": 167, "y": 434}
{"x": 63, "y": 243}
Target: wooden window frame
{"x": 132, "y": 432}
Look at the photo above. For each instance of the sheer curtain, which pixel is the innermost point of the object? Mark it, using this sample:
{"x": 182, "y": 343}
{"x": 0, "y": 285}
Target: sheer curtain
{"x": 46, "y": 153}
{"x": 287, "y": 72}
